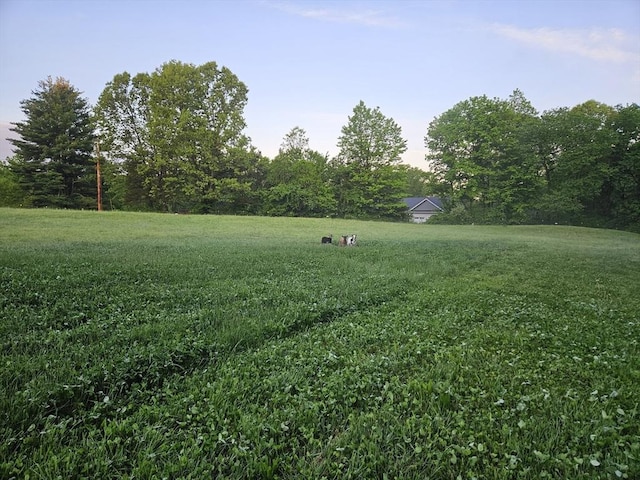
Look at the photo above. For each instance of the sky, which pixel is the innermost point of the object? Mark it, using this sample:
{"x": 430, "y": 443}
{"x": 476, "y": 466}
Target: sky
{"x": 307, "y": 64}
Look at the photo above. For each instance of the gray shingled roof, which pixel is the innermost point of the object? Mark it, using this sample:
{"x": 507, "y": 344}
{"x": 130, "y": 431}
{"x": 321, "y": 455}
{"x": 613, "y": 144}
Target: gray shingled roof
{"x": 424, "y": 203}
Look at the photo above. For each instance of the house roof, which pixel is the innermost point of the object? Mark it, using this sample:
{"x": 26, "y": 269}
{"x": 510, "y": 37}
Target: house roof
{"x": 424, "y": 204}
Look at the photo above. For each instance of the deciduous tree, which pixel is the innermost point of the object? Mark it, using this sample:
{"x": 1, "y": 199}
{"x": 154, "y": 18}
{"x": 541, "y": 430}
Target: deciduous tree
{"x": 421, "y": 183}
{"x": 368, "y": 180}
{"x": 11, "y": 195}
{"x": 297, "y": 180}
{"x": 575, "y": 148}
{"x": 370, "y": 140}
{"x": 175, "y": 129}
{"x": 623, "y": 184}
{"x": 482, "y": 150}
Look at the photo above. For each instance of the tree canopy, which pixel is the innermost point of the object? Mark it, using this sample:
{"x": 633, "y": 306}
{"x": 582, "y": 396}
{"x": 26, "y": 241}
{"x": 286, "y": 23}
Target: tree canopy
{"x": 371, "y": 140}
{"x": 173, "y": 140}
{"x": 366, "y": 175}
{"x": 176, "y": 130}
{"x": 501, "y": 162}
{"x": 297, "y": 180}
{"x": 53, "y": 162}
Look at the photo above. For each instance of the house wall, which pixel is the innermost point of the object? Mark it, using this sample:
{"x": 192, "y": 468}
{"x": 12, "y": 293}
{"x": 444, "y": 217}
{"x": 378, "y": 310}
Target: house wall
{"x": 420, "y": 217}
{"x": 422, "y": 208}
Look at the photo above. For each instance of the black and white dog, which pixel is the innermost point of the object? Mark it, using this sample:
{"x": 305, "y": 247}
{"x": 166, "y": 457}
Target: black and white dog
{"x": 347, "y": 241}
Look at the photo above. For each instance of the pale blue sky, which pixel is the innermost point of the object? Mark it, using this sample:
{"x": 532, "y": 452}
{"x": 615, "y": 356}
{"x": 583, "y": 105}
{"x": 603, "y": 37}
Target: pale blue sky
{"x": 308, "y": 63}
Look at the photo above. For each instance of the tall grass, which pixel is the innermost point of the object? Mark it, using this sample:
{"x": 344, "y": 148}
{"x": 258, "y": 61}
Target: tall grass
{"x": 171, "y": 346}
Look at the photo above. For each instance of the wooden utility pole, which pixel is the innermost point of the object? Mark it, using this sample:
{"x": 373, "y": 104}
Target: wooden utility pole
{"x": 98, "y": 177}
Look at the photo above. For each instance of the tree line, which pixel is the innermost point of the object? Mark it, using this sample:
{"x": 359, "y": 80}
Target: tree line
{"x": 173, "y": 141}
{"x": 499, "y": 161}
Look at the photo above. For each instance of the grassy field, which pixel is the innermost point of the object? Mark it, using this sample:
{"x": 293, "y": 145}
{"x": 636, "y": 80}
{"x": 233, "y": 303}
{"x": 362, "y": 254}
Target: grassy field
{"x": 171, "y": 346}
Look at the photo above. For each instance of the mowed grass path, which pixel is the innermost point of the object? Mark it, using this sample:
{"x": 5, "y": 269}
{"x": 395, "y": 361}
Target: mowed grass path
{"x": 168, "y": 346}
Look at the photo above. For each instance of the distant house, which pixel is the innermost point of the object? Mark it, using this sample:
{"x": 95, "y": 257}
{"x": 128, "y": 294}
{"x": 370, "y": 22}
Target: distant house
{"x": 421, "y": 208}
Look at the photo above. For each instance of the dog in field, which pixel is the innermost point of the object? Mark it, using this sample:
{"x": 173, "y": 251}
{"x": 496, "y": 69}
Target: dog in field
{"x": 328, "y": 239}
{"x": 347, "y": 241}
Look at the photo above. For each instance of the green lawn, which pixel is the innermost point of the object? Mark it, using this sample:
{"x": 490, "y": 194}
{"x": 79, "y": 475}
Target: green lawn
{"x": 176, "y": 346}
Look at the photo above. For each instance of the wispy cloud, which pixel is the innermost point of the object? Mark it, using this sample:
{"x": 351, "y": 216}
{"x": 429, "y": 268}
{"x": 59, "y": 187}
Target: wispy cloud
{"x": 610, "y": 45}
{"x": 367, "y": 17}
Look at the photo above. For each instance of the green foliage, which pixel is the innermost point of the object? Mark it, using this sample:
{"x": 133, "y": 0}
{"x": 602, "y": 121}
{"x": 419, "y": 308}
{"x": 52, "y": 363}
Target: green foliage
{"x": 114, "y": 190}
{"x": 297, "y": 181}
{"x": 172, "y": 141}
{"x": 372, "y": 194}
{"x": 178, "y": 131}
{"x": 370, "y": 139}
{"x": 53, "y": 163}
{"x": 11, "y": 194}
{"x": 623, "y": 184}
{"x": 173, "y": 346}
{"x": 481, "y": 149}
{"x": 367, "y": 179}
{"x": 502, "y": 163}
{"x": 577, "y": 166}
{"x": 421, "y": 183}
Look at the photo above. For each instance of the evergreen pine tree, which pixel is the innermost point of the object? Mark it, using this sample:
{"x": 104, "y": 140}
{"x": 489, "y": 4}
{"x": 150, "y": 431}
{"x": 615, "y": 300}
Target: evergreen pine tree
{"x": 53, "y": 160}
